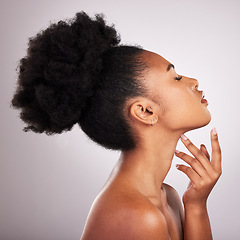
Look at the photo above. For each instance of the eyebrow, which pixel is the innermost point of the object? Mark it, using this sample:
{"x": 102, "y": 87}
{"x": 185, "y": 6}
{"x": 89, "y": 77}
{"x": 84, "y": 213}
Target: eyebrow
{"x": 169, "y": 67}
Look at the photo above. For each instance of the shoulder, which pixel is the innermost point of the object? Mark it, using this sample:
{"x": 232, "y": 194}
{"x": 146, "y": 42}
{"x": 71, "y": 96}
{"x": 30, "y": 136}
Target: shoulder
{"x": 174, "y": 199}
{"x": 131, "y": 218}
{"x": 140, "y": 221}
{"x": 171, "y": 192}
{"x": 170, "y": 189}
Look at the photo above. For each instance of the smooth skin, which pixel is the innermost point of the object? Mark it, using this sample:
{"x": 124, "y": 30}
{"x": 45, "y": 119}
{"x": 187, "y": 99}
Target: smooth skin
{"x": 135, "y": 203}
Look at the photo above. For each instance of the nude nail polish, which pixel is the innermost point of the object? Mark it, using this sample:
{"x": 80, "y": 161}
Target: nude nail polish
{"x": 214, "y": 131}
{"x": 176, "y": 151}
{"x": 184, "y": 137}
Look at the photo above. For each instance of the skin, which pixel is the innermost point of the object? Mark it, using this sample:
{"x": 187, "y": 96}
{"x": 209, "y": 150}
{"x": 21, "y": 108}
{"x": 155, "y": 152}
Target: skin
{"x": 135, "y": 203}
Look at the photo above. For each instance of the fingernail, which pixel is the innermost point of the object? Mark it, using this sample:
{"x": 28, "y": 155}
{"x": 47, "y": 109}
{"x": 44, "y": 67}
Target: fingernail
{"x": 184, "y": 137}
{"x": 177, "y": 165}
{"x": 176, "y": 151}
{"x": 214, "y": 131}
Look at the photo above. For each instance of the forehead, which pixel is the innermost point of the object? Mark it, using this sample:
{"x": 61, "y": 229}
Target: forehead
{"x": 156, "y": 61}
{"x": 156, "y": 75}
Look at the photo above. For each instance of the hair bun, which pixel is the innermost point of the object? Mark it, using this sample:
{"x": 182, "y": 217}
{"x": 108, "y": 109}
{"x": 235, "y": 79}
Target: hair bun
{"x": 59, "y": 72}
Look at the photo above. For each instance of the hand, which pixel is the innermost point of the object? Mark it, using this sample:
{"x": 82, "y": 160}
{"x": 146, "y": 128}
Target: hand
{"x": 203, "y": 173}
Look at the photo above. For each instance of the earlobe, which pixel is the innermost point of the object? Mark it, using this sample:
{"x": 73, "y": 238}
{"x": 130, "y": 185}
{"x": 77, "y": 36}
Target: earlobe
{"x": 154, "y": 121}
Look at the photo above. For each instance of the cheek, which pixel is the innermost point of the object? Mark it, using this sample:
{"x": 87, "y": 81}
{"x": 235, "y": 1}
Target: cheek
{"x": 185, "y": 110}
{"x": 178, "y": 101}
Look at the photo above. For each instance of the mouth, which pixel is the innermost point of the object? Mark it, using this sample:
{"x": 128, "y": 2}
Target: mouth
{"x": 203, "y": 99}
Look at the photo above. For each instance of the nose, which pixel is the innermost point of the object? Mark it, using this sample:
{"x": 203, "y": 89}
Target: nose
{"x": 194, "y": 84}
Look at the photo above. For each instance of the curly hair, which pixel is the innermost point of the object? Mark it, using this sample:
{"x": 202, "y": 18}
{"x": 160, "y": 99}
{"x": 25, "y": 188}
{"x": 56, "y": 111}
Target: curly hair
{"x": 75, "y": 71}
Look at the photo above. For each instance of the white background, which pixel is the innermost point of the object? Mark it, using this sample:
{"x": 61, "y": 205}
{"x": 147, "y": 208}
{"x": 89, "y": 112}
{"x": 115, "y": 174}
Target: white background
{"x": 48, "y": 183}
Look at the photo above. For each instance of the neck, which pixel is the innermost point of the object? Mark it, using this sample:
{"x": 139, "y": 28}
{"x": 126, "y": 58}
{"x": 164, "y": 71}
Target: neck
{"x": 147, "y": 166}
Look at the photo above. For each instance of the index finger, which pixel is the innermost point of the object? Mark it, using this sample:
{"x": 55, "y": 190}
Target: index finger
{"x": 216, "y": 150}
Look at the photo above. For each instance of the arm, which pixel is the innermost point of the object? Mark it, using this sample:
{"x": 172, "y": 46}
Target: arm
{"x": 197, "y": 224}
{"x": 203, "y": 175}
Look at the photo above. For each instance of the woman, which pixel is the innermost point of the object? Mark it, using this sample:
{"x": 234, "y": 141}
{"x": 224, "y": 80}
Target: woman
{"x": 129, "y": 99}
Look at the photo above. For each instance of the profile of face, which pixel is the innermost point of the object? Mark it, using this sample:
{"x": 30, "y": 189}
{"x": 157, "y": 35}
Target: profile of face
{"x": 178, "y": 105}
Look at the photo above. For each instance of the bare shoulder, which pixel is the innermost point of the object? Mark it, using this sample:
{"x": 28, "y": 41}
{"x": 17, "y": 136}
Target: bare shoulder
{"x": 171, "y": 191}
{"x": 143, "y": 222}
{"x": 173, "y": 198}
{"x": 125, "y": 218}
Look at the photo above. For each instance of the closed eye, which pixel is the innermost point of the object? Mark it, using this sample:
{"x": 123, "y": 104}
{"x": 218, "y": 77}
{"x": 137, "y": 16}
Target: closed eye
{"x": 178, "y": 78}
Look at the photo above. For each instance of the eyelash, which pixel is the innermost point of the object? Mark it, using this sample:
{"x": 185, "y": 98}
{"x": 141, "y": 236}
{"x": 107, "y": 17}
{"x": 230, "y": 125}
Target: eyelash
{"x": 178, "y": 78}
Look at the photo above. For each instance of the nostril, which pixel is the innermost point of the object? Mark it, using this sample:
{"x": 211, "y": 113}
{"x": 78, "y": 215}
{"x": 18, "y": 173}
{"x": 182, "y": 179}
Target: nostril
{"x": 194, "y": 84}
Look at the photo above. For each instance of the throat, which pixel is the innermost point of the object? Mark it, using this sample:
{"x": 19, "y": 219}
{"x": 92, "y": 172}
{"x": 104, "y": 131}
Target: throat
{"x": 147, "y": 168}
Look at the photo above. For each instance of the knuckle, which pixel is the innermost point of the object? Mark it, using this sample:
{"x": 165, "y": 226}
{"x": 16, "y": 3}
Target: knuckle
{"x": 200, "y": 184}
{"x": 208, "y": 181}
{"x": 181, "y": 154}
{"x": 201, "y": 154}
{"x": 216, "y": 174}
{"x": 188, "y": 170}
{"x": 219, "y": 150}
{"x": 193, "y": 161}
{"x": 189, "y": 143}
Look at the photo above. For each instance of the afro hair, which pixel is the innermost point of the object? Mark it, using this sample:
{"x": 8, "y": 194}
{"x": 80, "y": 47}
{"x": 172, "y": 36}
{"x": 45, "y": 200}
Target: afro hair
{"x": 75, "y": 71}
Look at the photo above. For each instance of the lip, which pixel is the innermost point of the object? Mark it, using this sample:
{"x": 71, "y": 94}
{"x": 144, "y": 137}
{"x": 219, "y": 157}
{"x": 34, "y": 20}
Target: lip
{"x": 203, "y": 100}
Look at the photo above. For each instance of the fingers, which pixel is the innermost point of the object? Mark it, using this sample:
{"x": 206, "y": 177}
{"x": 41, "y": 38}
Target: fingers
{"x": 202, "y": 172}
{"x": 204, "y": 150}
{"x": 216, "y": 151}
{"x": 193, "y": 162}
{"x": 198, "y": 154}
{"x": 193, "y": 176}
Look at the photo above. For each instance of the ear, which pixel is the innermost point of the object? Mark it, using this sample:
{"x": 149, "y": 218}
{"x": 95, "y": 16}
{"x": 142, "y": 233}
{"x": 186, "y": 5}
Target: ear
{"x": 143, "y": 111}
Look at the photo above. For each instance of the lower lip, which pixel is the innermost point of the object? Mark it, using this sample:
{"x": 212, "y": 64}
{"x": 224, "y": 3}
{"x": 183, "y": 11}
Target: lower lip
{"x": 204, "y": 101}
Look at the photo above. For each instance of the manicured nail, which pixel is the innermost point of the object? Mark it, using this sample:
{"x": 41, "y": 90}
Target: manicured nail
{"x": 214, "y": 131}
{"x": 177, "y": 165}
{"x": 184, "y": 137}
{"x": 176, "y": 151}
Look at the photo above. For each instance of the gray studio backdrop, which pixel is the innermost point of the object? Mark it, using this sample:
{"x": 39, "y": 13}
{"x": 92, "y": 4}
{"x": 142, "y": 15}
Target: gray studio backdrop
{"x": 48, "y": 183}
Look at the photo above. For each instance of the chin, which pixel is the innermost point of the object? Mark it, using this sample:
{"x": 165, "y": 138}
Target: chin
{"x": 204, "y": 118}
{"x": 208, "y": 118}
{"x": 203, "y": 121}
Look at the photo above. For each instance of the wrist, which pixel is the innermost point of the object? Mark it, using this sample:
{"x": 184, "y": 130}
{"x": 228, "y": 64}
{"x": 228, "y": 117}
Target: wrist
{"x": 196, "y": 207}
